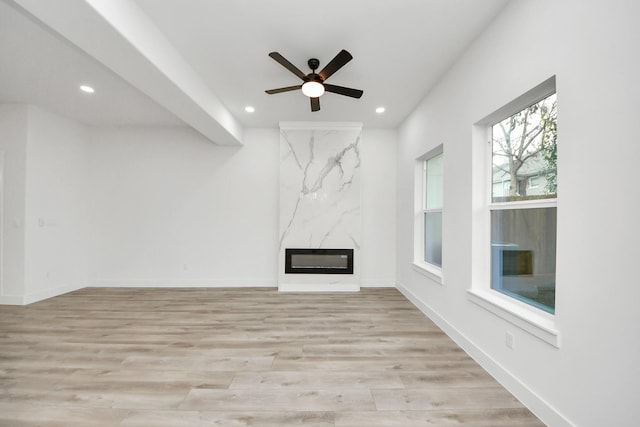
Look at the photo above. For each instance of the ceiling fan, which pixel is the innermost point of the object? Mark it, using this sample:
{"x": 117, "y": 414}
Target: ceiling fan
{"x": 314, "y": 83}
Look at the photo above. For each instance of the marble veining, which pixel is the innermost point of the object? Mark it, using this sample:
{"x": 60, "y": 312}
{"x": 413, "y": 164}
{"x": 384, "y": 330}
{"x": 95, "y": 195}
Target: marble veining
{"x": 320, "y": 193}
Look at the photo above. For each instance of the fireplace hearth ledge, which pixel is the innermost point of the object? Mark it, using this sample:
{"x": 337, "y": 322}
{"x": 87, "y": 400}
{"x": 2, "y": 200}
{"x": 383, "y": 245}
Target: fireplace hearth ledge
{"x": 318, "y": 287}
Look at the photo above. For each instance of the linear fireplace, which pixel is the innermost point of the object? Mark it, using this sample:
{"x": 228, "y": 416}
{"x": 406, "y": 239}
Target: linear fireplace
{"x": 318, "y": 261}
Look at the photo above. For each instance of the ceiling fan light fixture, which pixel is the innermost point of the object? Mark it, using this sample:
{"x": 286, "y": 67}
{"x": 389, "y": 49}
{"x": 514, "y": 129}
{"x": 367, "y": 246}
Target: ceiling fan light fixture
{"x": 313, "y": 89}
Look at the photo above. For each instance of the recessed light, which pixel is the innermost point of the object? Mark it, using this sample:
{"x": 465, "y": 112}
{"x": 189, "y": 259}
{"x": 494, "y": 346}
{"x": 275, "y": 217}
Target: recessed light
{"x": 380, "y": 110}
{"x": 87, "y": 89}
{"x": 249, "y": 109}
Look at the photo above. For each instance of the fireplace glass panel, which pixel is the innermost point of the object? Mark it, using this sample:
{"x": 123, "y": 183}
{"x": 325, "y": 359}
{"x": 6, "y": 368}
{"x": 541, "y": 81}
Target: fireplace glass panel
{"x": 319, "y": 261}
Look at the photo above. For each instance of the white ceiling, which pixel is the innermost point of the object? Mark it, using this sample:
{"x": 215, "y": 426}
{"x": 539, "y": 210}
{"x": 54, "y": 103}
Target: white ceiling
{"x": 41, "y": 68}
{"x": 400, "y": 49}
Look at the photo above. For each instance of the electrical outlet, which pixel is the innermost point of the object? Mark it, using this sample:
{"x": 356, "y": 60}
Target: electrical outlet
{"x": 509, "y": 340}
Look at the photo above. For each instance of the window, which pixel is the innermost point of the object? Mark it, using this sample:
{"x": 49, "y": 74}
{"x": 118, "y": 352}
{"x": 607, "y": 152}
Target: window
{"x": 513, "y": 240}
{"x": 428, "y": 223}
{"x": 523, "y": 204}
{"x": 432, "y": 210}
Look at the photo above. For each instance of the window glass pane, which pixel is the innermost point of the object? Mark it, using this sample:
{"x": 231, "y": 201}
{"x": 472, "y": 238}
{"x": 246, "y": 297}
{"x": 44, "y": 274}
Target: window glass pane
{"x": 524, "y": 148}
{"x": 523, "y": 255}
{"x": 434, "y": 183}
{"x": 433, "y": 238}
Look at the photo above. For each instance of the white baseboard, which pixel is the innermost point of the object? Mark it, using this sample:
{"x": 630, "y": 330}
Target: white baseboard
{"x": 50, "y": 293}
{"x": 528, "y": 397}
{"x": 37, "y": 296}
{"x": 177, "y": 283}
{"x": 12, "y": 300}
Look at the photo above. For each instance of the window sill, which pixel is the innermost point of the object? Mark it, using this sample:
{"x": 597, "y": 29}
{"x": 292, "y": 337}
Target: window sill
{"x": 432, "y": 272}
{"x": 539, "y": 325}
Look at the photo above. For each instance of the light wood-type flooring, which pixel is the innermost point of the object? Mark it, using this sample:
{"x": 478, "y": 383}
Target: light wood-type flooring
{"x": 239, "y": 357}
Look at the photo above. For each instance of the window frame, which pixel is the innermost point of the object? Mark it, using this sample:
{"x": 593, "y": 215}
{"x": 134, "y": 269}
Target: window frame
{"x": 543, "y": 203}
{"x": 537, "y": 322}
{"x": 430, "y": 270}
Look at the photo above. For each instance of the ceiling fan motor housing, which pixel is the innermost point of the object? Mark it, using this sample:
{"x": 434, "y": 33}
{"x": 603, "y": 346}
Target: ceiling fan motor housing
{"x": 313, "y": 64}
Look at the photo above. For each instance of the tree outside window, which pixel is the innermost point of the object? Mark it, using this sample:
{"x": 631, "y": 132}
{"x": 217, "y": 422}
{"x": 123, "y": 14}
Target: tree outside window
{"x": 524, "y": 149}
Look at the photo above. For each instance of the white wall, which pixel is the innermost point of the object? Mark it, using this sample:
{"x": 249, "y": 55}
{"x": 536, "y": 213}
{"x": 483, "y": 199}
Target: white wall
{"x": 378, "y": 208}
{"x": 592, "y": 379}
{"x": 55, "y": 217}
{"x": 13, "y": 143}
{"x": 168, "y": 208}
{"x": 44, "y": 228}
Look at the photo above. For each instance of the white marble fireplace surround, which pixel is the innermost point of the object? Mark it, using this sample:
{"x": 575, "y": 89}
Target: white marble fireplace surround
{"x": 320, "y": 199}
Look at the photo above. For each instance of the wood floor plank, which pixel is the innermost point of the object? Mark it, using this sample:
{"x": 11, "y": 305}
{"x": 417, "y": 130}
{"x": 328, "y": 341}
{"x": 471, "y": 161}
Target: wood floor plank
{"x": 239, "y": 357}
{"x": 152, "y": 376}
{"x": 444, "y": 398}
{"x": 511, "y": 417}
{"x": 164, "y": 418}
{"x": 313, "y": 381}
{"x": 23, "y": 414}
{"x": 279, "y": 400}
{"x": 266, "y": 419}
{"x": 472, "y": 376}
{"x": 230, "y": 363}
{"x": 366, "y": 362}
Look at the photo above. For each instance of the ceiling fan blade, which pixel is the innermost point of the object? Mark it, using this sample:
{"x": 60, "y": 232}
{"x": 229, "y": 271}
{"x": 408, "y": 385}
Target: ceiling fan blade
{"x": 288, "y": 65}
{"x": 315, "y": 104}
{"x": 283, "y": 89}
{"x": 340, "y": 90}
{"x": 336, "y": 63}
